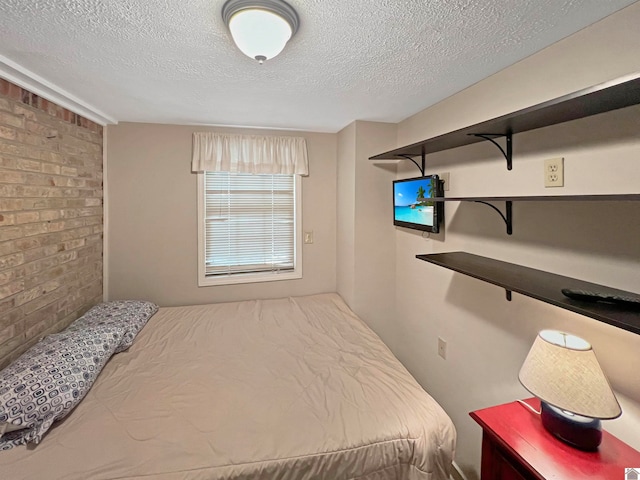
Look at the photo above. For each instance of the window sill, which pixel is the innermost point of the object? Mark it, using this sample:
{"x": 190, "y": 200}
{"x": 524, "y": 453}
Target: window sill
{"x": 239, "y": 278}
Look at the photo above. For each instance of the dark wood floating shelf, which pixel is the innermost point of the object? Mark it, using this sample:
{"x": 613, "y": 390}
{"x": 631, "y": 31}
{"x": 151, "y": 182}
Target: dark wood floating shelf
{"x": 631, "y": 197}
{"x": 612, "y": 95}
{"x": 540, "y": 285}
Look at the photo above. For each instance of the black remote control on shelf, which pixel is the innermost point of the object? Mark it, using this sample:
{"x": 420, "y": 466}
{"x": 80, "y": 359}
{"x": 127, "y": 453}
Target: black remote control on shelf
{"x": 589, "y": 296}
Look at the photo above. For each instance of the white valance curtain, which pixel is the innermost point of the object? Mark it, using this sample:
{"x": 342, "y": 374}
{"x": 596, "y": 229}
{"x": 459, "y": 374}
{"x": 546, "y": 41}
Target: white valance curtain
{"x": 216, "y": 152}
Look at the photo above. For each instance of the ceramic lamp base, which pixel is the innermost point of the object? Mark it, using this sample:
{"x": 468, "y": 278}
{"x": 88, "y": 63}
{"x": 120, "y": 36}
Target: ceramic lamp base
{"x": 584, "y": 433}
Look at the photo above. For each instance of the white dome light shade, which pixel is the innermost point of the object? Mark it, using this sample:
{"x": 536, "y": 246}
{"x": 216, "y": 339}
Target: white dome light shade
{"x": 259, "y": 34}
{"x": 260, "y": 28}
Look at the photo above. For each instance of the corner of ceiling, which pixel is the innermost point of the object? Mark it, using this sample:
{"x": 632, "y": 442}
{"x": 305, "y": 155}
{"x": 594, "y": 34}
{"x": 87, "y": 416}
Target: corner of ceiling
{"x": 25, "y": 78}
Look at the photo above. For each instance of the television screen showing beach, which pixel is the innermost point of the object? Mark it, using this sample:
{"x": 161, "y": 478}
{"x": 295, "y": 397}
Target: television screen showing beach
{"x": 411, "y": 201}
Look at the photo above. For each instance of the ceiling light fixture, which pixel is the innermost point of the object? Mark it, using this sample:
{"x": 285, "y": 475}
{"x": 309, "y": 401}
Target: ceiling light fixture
{"x": 260, "y": 28}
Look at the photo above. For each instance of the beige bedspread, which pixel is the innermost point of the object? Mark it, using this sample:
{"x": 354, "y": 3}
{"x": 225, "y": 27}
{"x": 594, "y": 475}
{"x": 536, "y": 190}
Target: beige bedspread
{"x": 288, "y": 389}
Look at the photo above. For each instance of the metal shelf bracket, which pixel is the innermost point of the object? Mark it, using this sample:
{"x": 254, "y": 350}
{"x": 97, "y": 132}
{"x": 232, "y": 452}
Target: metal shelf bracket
{"x": 508, "y": 155}
{"x": 421, "y": 168}
{"x": 508, "y": 218}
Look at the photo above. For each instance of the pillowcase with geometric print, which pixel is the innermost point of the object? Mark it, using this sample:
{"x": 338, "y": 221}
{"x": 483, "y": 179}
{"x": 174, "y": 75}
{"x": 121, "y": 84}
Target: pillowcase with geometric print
{"x": 130, "y": 315}
{"x": 47, "y": 381}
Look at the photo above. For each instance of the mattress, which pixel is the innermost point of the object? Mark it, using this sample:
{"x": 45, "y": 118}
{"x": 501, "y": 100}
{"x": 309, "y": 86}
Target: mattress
{"x": 288, "y": 389}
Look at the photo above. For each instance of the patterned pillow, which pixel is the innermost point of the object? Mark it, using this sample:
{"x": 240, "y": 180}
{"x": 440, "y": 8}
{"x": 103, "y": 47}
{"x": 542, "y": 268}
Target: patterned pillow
{"x": 130, "y": 315}
{"x": 50, "y": 379}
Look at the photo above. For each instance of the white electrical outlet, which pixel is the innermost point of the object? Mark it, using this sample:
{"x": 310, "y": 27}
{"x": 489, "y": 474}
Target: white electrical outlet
{"x": 308, "y": 237}
{"x": 442, "y": 348}
{"x": 554, "y": 172}
{"x": 445, "y": 180}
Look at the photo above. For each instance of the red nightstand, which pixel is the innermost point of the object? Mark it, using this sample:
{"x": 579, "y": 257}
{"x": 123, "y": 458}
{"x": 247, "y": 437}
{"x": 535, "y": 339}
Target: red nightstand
{"x": 515, "y": 446}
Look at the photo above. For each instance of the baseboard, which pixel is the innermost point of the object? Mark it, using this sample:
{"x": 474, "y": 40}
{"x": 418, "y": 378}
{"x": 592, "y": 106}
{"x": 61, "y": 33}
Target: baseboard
{"x": 456, "y": 473}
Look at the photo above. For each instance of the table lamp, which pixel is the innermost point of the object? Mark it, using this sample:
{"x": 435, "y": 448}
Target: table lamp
{"x": 563, "y": 372}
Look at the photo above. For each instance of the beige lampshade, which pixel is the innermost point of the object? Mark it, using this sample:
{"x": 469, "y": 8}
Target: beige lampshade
{"x": 562, "y": 370}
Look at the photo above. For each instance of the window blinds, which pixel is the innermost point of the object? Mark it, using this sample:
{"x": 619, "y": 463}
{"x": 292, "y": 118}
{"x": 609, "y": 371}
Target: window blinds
{"x": 249, "y": 223}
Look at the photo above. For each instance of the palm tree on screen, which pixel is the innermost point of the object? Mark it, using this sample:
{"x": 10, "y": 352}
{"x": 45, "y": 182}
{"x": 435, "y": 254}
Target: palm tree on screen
{"x": 432, "y": 189}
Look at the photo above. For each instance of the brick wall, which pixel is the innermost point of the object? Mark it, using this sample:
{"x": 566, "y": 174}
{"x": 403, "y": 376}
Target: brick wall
{"x": 50, "y": 218}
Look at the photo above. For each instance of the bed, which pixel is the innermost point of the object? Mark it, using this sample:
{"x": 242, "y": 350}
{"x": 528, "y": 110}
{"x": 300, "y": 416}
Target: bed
{"x": 291, "y": 389}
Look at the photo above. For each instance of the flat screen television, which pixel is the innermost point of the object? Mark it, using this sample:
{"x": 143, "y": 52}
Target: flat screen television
{"x": 412, "y": 207}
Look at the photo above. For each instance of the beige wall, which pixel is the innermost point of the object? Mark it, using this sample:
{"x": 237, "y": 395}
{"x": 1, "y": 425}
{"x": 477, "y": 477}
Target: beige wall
{"x": 366, "y": 237}
{"x": 346, "y": 211}
{"x": 375, "y": 280}
{"x": 50, "y": 218}
{"x": 152, "y": 236}
{"x": 488, "y": 337}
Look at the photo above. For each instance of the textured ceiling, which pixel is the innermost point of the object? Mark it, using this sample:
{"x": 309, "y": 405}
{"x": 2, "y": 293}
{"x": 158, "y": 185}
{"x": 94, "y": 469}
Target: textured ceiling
{"x": 172, "y": 61}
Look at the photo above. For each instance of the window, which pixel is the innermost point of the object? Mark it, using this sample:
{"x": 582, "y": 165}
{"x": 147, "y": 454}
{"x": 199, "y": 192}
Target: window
{"x": 249, "y": 199}
{"x": 249, "y": 228}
